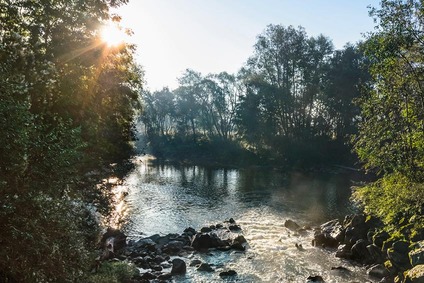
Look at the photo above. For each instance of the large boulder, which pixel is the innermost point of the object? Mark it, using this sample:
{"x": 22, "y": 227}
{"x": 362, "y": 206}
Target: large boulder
{"x": 329, "y": 234}
{"x": 344, "y": 251}
{"x": 378, "y": 271}
{"x": 379, "y": 238}
{"x": 178, "y": 266}
{"x": 416, "y": 256}
{"x": 324, "y": 240}
{"x": 356, "y": 228}
{"x": 398, "y": 255}
{"x": 173, "y": 247}
{"x": 415, "y": 275}
{"x": 335, "y": 229}
{"x": 203, "y": 241}
{"x": 375, "y": 253}
{"x": 360, "y": 252}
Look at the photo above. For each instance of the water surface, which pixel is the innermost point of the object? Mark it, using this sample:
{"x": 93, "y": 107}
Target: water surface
{"x": 167, "y": 199}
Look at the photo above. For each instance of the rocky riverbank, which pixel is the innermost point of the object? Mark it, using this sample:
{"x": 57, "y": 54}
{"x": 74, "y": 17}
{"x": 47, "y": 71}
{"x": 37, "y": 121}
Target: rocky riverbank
{"x": 160, "y": 258}
{"x": 391, "y": 258}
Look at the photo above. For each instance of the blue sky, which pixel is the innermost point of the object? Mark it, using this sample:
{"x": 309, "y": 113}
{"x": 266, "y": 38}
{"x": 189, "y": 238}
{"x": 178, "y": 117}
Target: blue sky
{"x": 211, "y": 36}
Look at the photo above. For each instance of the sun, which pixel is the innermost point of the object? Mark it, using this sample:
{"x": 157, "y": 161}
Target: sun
{"x": 113, "y": 35}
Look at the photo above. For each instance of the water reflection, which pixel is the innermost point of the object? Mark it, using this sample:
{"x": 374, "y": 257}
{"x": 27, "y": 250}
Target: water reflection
{"x": 168, "y": 199}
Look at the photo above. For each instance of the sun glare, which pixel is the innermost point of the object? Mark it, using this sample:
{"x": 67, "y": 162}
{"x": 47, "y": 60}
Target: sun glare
{"x": 112, "y": 35}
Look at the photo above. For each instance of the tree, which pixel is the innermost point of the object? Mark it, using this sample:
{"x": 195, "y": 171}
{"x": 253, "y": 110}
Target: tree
{"x": 284, "y": 78}
{"x": 66, "y": 104}
{"x": 346, "y": 73}
{"x": 391, "y": 132}
{"x": 391, "y": 136}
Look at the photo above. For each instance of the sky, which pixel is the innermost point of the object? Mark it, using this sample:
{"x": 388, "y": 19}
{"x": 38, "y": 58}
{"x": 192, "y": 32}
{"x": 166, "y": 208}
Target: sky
{"x": 212, "y": 36}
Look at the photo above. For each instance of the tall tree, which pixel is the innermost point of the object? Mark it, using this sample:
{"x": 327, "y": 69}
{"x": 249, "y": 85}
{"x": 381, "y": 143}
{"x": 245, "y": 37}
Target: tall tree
{"x": 67, "y": 102}
{"x": 391, "y": 133}
{"x": 285, "y": 77}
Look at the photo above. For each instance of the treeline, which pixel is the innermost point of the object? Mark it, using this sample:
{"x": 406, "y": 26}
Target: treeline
{"x": 291, "y": 103}
{"x": 67, "y": 103}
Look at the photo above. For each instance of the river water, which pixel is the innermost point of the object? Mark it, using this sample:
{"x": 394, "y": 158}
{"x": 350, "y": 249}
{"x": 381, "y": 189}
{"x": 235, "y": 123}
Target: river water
{"x": 166, "y": 199}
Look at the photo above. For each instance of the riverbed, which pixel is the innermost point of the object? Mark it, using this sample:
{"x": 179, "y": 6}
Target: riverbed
{"x": 166, "y": 199}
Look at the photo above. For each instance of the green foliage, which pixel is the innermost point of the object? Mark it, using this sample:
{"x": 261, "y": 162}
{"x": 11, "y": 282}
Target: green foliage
{"x": 396, "y": 200}
{"x": 391, "y": 136}
{"x": 66, "y": 107}
{"x": 113, "y": 272}
{"x": 292, "y": 102}
{"x": 391, "y": 133}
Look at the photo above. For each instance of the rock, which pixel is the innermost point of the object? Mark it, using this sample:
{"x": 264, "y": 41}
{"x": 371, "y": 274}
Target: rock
{"x": 290, "y": 224}
{"x": 415, "y": 275}
{"x": 190, "y": 230}
{"x": 238, "y": 243}
{"x": 416, "y": 256}
{"x": 113, "y": 240}
{"x": 238, "y": 246}
{"x": 206, "y": 241}
{"x": 398, "y": 255}
{"x": 159, "y": 259}
{"x": 156, "y": 267}
{"x": 173, "y": 247}
{"x": 228, "y": 273}
{"x": 141, "y": 262}
{"x": 234, "y": 227}
{"x": 144, "y": 243}
{"x": 375, "y": 253}
{"x": 232, "y": 221}
{"x": 335, "y": 229}
{"x": 240, "y": 239}
{"x": 379, "y": 238}
{"x": 299, "y": 247}
{"x": 343, "y": 251}
{"x": 315, "y": 278}
{"x": 178, "y": 266}
{"x": 340, "y": 268}
{"x": 195, "y": 262}
{"x": 165, "y": 276}
{"x": 206, "y": 230}
{"x": 378, "y": 271}
{"x": 205, "y": 267}
{"x": 148, "y": 276}
{"x": 324, "y": 240}
{"x": 360, "y": 252}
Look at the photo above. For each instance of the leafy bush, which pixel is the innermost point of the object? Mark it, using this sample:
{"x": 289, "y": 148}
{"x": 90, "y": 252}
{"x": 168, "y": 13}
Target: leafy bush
{"x": 396, "y": 200}
{"x": 113, "y": 272}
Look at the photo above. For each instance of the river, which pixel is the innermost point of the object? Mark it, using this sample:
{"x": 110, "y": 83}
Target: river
{"x": 167, "y": 199}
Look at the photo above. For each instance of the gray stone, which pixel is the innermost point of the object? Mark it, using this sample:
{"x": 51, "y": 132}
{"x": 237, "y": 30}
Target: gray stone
{"x": 290, "y": 224}
{"x": 359, "y": 251}
{"x": 178, "y": 266}
{"x": 205, "y": 267}
{"x": 228, "y": 273}
{"x": 378, "y": 270}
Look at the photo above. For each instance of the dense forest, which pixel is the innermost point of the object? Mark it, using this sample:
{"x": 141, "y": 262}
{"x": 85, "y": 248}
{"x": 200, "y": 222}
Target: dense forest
{"x": 68, "y": 105}
{"x": 291, "y": 104}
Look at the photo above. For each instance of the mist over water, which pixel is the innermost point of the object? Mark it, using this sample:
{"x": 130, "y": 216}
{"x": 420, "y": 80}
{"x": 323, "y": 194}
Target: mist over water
{"x": 166, "y": 199}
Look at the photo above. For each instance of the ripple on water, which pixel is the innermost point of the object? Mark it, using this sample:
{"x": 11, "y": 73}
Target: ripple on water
{"x": 166, "y": 199}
